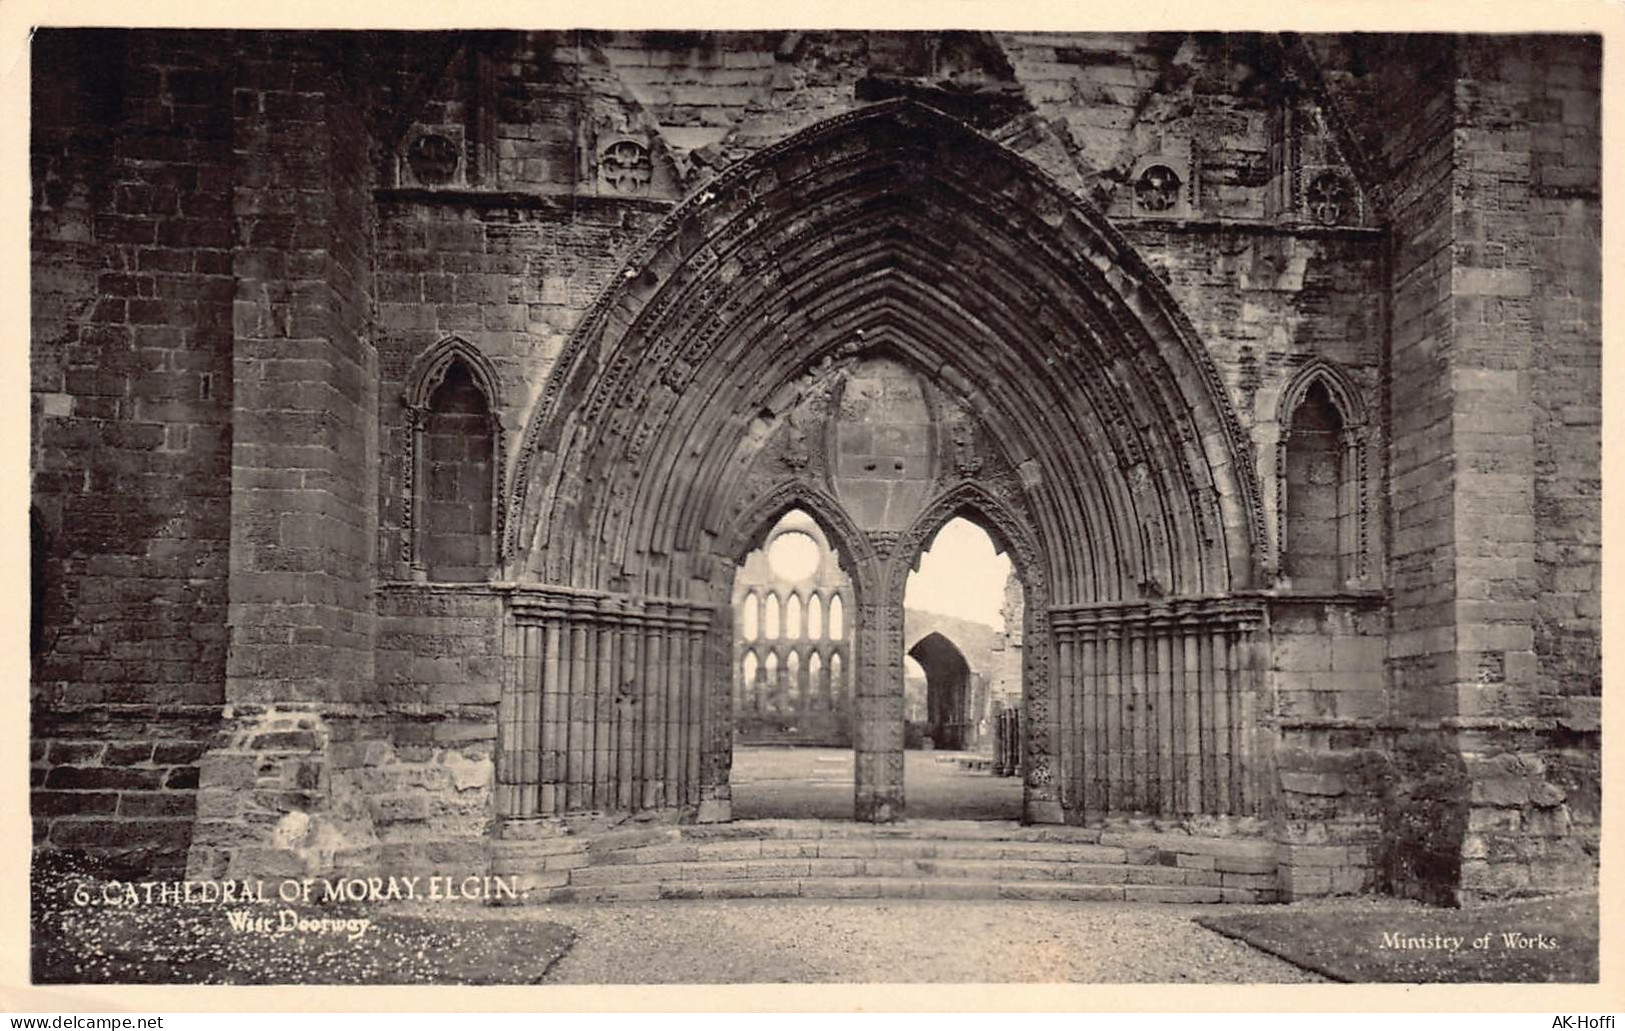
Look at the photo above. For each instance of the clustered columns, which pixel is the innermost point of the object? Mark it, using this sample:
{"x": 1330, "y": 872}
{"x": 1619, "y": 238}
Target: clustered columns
{"x": 604, "y": 703}
{"x": 1163, "y": 702}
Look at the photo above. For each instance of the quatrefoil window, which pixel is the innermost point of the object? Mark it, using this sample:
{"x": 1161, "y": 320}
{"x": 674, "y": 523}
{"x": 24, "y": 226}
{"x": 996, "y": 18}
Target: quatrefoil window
{"x": 1327, "y": 198}
{"x": 1158, "y": 189}
{"x": 625, "y": 166}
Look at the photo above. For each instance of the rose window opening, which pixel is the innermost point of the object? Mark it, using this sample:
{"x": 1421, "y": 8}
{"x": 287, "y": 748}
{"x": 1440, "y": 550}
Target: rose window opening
{"x": 1158, "y": 189}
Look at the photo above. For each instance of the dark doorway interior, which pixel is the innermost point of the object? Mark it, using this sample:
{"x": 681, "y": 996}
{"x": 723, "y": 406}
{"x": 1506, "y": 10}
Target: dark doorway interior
{"x": 948, "y": 721}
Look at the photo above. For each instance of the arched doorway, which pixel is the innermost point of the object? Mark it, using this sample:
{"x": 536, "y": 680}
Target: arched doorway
{"x": 792, "y": 698}
{"x": 948, "y": 719}
{"x": 888, "y": 320}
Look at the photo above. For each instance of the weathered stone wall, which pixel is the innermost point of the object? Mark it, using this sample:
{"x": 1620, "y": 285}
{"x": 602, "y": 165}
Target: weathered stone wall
{"x": 303, "y": 482}
{"x": 1408, "y": 86}
{"x": 303, "y": 503}
{"x": 131, "y": 438}
{"x": 1490, "y": 163}
{"x": 1566, "y": 329}
{"x": 974, "y": 640}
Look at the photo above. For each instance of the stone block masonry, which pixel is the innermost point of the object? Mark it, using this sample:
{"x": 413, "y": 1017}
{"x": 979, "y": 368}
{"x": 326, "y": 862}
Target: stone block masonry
{"x": 293, "y": 792}
{"x": 131, "y": 431}
{"x": 304, "y": 407}
{"x": 1491, "y": 477}
{"x": 581, "y": 862}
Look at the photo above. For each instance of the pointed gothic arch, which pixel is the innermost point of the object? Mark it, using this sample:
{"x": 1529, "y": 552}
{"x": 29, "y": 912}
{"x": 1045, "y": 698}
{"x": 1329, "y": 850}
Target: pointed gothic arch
{"x": 1093, "y": 434}
{"x": 429, "y": 368}
{"x": 1351, "y": 501}
{"x": 922, "y": 220}
{"x": 447, "y": 362}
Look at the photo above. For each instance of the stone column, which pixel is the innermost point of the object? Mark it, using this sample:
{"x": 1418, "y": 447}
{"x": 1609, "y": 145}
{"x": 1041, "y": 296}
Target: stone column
{"x": 876, "y": 631}
{"x": 716, "y": 760}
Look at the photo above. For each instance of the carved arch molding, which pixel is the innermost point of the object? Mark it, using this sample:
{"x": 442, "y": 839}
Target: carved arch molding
{"x": 1050, "y": 389}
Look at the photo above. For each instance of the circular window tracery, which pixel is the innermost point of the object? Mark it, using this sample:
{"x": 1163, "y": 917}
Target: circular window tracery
{"x": 1157, "y": 189}
{"x": 433, "y": 158}
{"x": 625, "y": 166}
{"x": 793, "y": 556}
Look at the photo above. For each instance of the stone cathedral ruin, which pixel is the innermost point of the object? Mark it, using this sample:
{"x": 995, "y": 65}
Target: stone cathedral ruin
{"x": 405, "y": 406}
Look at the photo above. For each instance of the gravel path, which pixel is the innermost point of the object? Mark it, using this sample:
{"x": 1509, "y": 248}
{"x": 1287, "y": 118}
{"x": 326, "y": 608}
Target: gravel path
{"x": 800, "y": 941}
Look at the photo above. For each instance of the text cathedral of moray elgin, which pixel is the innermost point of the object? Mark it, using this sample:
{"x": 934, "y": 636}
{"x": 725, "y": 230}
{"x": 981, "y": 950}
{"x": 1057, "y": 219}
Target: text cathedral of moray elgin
{"x": 406, "y": 408}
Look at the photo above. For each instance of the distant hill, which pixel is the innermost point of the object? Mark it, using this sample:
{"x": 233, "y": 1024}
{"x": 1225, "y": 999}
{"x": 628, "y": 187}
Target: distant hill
{"x": 974, "y": 640}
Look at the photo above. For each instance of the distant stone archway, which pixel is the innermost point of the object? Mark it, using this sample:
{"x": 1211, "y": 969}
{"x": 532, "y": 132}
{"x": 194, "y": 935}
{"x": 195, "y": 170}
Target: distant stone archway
{"x": 1060, "y": 391}
{"x": 947, "y": 686}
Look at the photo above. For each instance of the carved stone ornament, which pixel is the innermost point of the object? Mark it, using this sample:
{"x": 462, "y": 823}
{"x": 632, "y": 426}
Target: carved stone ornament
{"x": 625, "y": 166}
{"x": 1157, "y": 189}
{"x": 433, "y": 158}
{"x": 885, "y": 541}
{"x": 967, "y": 456}
{"x": 797, "y": 452}
{"x": 1327, "y": 199}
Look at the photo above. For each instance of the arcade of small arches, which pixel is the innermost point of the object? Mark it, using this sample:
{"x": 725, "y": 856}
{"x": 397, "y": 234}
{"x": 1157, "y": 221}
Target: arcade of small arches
{"x": 791, "y": 652}
{"x": 473, "y": 540}
{"x": 759, "y": 615}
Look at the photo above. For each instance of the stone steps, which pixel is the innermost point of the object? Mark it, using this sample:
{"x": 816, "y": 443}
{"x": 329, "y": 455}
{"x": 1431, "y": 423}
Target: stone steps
{"x": 915, "y": 859}
{"x": 858, "y": 848}
{"x": 895, "y": 888}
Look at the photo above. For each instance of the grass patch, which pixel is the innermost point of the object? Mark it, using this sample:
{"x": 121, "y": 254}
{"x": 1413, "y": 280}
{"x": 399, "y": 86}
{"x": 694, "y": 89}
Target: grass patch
{"x": 1365, "y": 943}
{"x": 168, "y": 944}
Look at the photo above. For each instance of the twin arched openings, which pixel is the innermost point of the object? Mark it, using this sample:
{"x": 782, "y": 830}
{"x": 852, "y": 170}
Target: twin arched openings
{"x": 1321, "y": 503}
{"x": 451, "y": 509}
